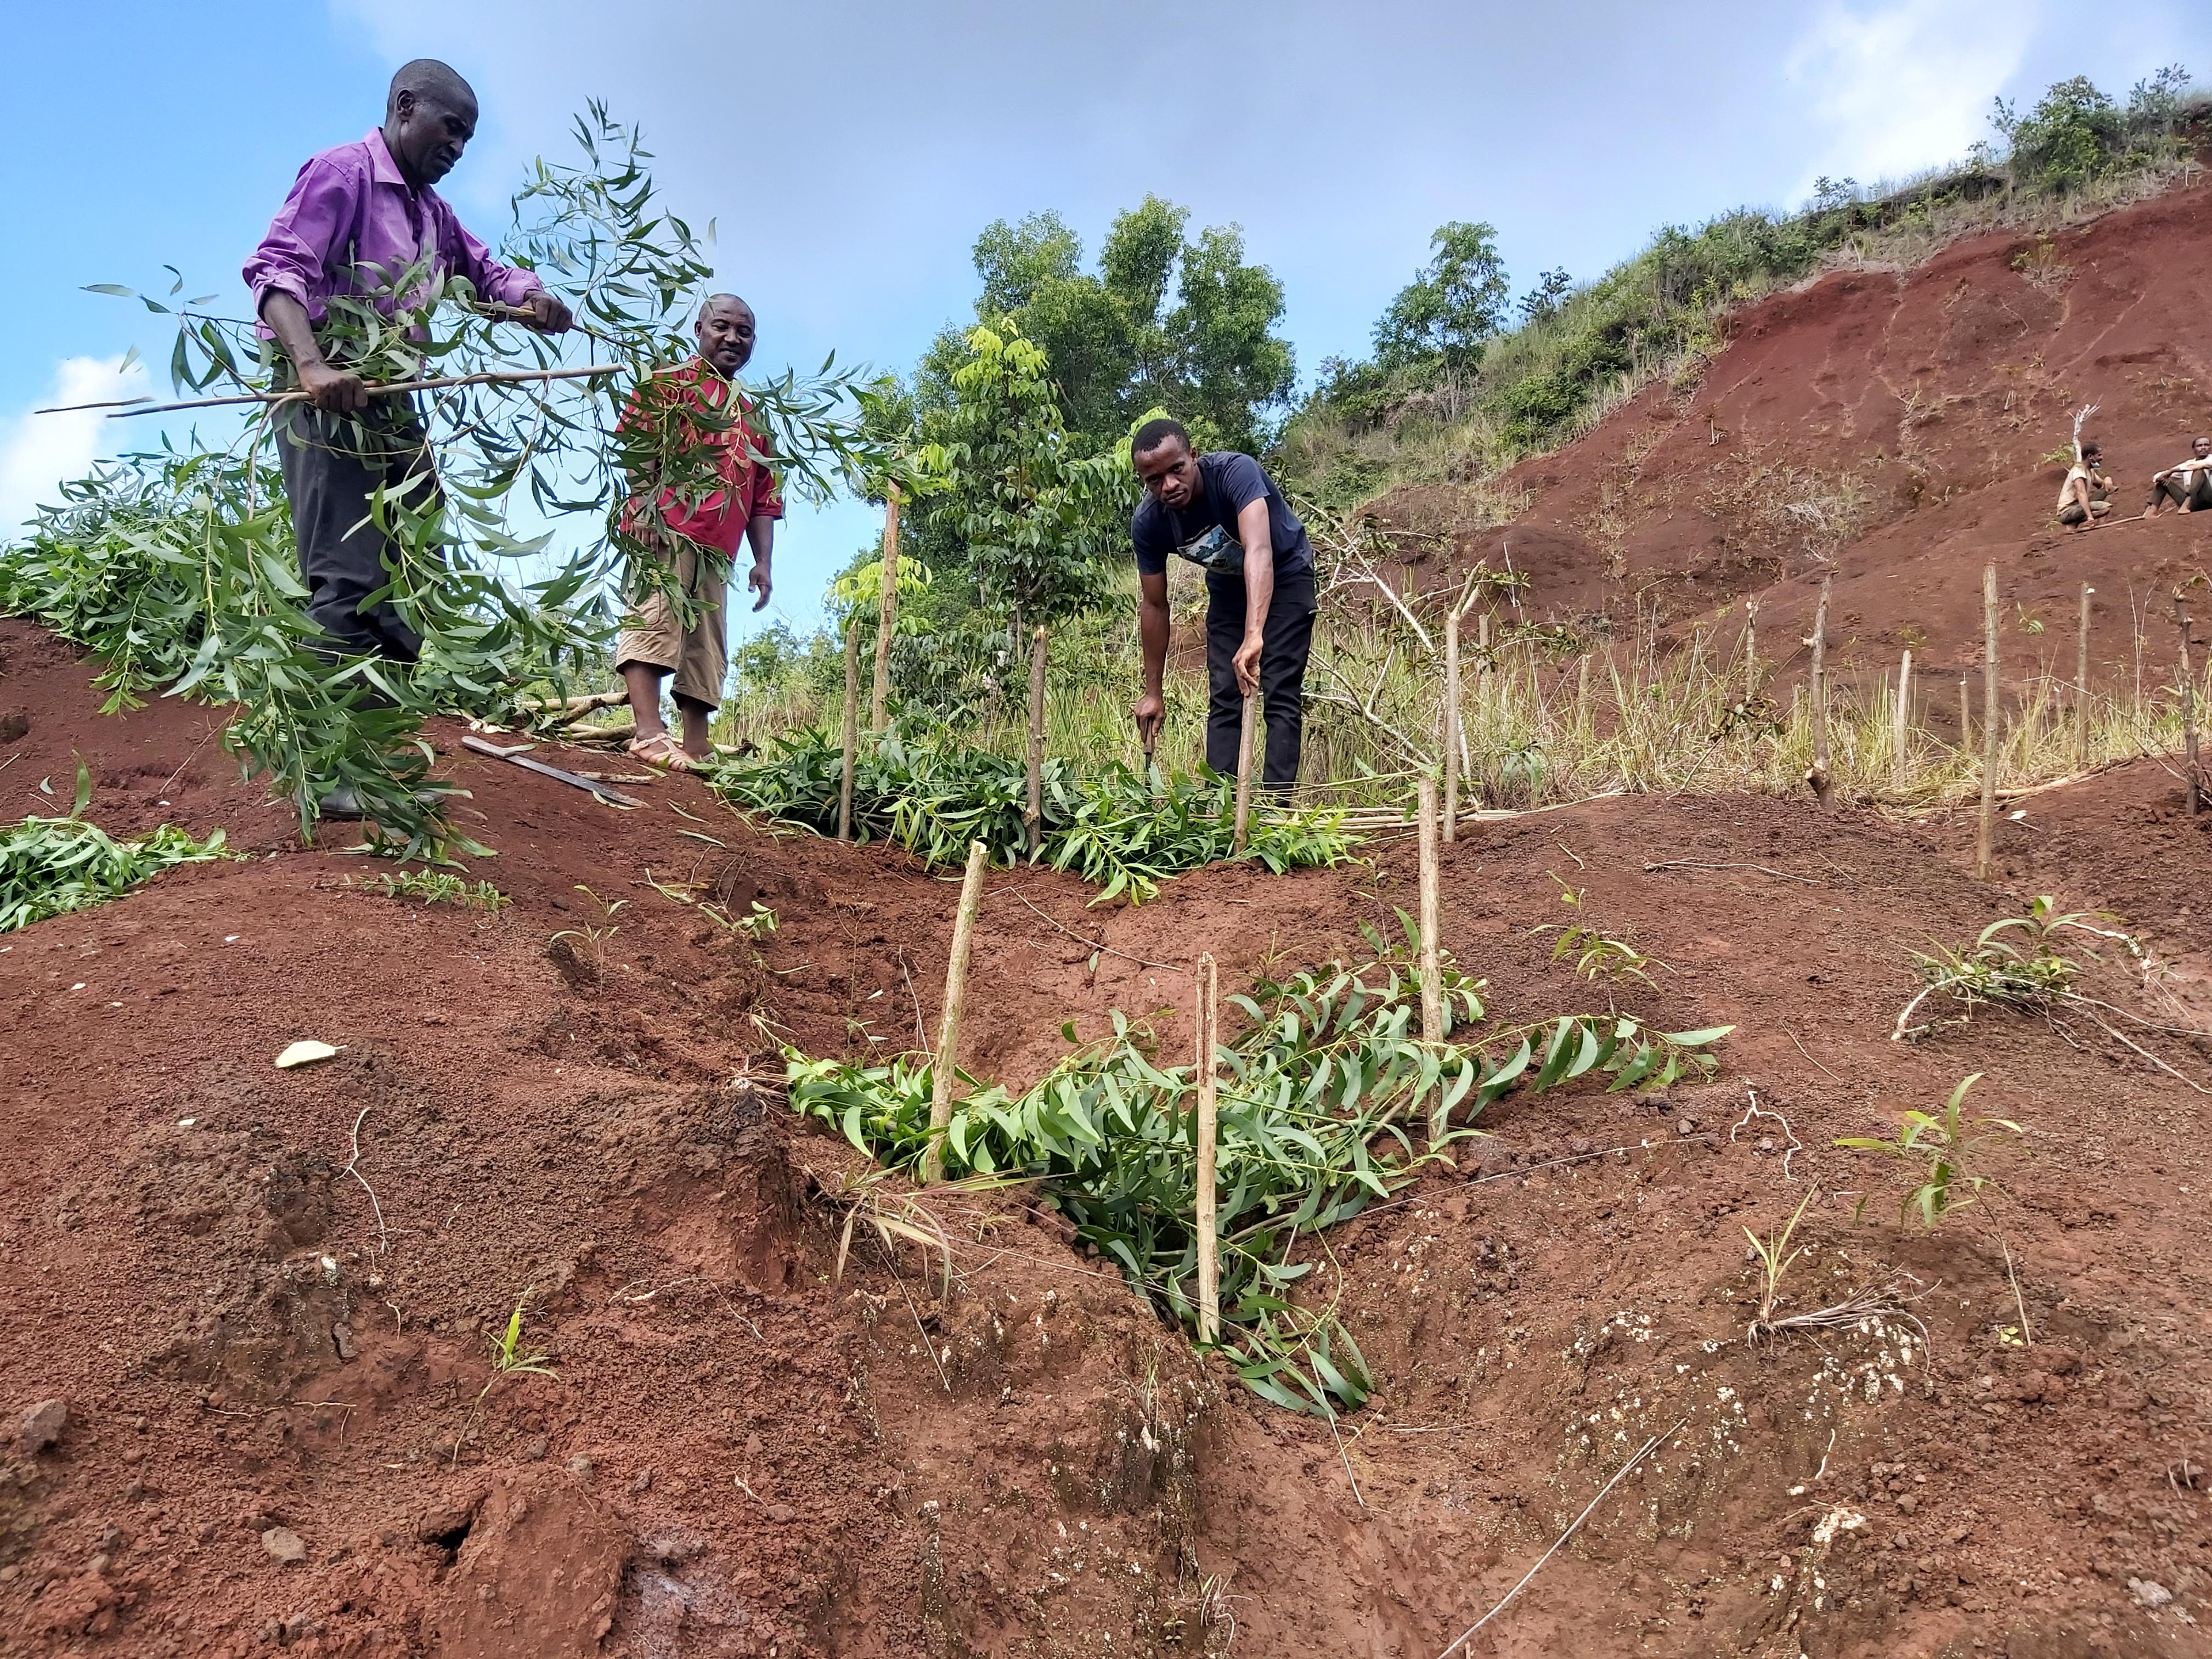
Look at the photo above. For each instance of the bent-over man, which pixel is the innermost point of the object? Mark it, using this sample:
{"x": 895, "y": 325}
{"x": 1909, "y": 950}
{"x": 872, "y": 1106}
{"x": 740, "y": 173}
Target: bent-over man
{"x": 1221, "y": 512}
{"x": 691, "y": 412}
{"x": 2086, "y": 496}
{"x": 2187, "y": 484}
{"x": 358, "y": 219}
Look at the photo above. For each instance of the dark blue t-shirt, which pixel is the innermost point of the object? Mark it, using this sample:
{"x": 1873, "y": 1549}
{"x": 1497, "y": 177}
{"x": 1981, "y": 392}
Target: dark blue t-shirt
{"x": 1232, "y": 483}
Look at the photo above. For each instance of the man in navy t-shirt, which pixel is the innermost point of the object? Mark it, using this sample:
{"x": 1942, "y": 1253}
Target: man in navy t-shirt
{"x": 1222, "y": 513}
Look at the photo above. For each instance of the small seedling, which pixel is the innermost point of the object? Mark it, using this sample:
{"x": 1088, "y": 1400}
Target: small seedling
{"x": 1592, "y": 954}
{"x": 2013, "y": 963}
{"x": 508, "y": 1359}
{"x": 434, "y": 887}
{"x": 1775, "y": 1259}
{"x": 591, "y": 940}
{"x": 758, "y": 925}
{"x": 1946, "y": 1147}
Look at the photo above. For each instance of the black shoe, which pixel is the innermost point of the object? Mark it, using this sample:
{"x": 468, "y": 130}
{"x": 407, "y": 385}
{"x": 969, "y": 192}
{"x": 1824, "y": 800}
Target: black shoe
{"x": 341, "y": 803}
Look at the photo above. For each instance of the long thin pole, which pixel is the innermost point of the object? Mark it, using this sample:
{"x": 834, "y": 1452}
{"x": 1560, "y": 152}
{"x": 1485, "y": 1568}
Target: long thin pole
{"x": 945, "y": 1068}
{"x": 1966, "y": 716}
{"x": 490, "y": 377}
{"x": 1432, "y": 989}
{"x": 2081, "y": 686}
{"x": 1033, "y": 812}
{"x": 1451, "y": 724}
{"x": 852, "y": 722}
{"x": 1750, "y": 649}
{"x": 1818, "y": 777}
{"x": 2194, "y": 786}
{"x": 1244, "y": 774}
{"x": 1901, "y": 716}
{"x": 887, "y": 614}
{"x": 1205, "y": 1131}
{"x": 1986, "y": 840}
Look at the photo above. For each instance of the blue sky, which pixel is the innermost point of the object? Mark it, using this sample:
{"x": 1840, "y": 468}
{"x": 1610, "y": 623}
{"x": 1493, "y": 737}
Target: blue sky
{"x": 850, "y": 152}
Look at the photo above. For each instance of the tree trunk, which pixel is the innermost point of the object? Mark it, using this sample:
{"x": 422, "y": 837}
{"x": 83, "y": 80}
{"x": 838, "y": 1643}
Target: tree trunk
{"x": 1033, "y": 814}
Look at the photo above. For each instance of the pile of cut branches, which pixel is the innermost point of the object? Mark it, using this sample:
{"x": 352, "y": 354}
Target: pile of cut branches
{"x": 1123, "y": 830}
{"x": 49, "y": 867}
{"x": 1313, "y": 1126}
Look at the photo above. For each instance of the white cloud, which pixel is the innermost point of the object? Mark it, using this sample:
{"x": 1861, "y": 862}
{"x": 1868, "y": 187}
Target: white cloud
{"x": 37, "y": 452}
{"x": 1905, "y": 85}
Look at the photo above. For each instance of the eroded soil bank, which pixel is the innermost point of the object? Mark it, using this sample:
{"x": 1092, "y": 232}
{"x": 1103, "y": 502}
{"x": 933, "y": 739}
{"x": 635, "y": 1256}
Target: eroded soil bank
{"x": 266, "y": 1296}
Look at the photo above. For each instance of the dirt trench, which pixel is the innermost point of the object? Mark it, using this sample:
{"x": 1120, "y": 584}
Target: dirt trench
{"x": 267, "y": 1297}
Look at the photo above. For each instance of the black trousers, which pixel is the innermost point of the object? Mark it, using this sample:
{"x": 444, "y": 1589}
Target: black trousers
{"x": 2196, "y": 494}
{"x": 333, "y": 464}
{"x": 1286, "y": 638}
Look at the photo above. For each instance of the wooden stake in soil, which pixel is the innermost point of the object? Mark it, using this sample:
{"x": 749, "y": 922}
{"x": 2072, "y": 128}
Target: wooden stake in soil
{"x": 1203, "y": 1129}
{"x": 1750, "y": 649}
{"x": 1901, "y": 716}
{"x": 1244, "y": 774}
{"x": 1985, "y": 841}
{"x": 1451, "y": 724}
{"x": 887, "y": 612}
{"x": 1966, "y": 717}
{"x": 2081, "y": 686}
{"x": 1818, "y": 777}
{"x": 2195, "y": 784}
{"x": 945, "y": 1063}
{"x": 852, "y": 722}
{"x": 1033, "y": 812}
{"x": 1432, "y": 988}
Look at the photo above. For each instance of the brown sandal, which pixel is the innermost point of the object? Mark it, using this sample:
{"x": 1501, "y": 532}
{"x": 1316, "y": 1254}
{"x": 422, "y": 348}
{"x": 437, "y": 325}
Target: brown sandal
{"x": 660, "y": 749}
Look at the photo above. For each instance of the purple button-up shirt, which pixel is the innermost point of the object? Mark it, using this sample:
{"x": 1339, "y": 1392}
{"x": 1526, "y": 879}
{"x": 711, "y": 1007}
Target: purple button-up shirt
{"x": 351, "y": 226}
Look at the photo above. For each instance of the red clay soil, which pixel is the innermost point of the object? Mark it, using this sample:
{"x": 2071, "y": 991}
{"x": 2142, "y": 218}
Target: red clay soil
{"x": 266, "y": 1297}
{"x": 1900, "y": 428}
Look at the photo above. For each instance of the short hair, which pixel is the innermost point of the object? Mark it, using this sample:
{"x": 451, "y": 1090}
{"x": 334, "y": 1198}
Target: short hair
{"x": 2091, "y": 447}
{"x": 1151, "y": 435}
{"x": 426, "y": 77}
{"x": 714, "y": 299}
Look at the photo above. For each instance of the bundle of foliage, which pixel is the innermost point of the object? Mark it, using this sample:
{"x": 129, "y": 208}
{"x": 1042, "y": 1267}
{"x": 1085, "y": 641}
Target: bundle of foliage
{"x": 923, "y": 791}
{"x": 49, "y": 866}
{"x": 1313, "y": 1126}
{"x": 178, "y": 568}
{"x": 1116, "y": 346}
{"x": 1945, "y": 1145}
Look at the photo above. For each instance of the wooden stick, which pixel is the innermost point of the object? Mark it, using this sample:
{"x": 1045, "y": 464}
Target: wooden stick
{"x": 1818, "y": 777}
{"x": 1986, "y": 840}
{"x": 1206, "y": 1133}
{"x": 945, "y": 1068}
{"x": 2081, "y": 684}
{"x": 1750, "y": 649}
{"x": 1033, "y": 812}
{"x": 1966, "y": 716}
{"x": 1901, "y": 716}
{"x": 2194, "y": 787}
{"x": 1451, "y": 724}
{"x": 852, "y": 722}
{"x": 494, "y": 377}
{"x": 1433, "y": 990}
{"x": 887, "y": 612}
{"x": 1244, "y": 774}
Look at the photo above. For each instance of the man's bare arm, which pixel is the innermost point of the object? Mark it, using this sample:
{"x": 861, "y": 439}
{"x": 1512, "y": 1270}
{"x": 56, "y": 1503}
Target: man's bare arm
{"x": 1252, "y": 529}
{"x": 760, "y": 531}
{"x": 335, "y": 390}
{"x": 1153, "y": 638}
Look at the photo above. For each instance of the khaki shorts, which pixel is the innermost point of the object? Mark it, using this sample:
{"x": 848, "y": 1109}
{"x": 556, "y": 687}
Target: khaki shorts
{"x": 699, "y": 654}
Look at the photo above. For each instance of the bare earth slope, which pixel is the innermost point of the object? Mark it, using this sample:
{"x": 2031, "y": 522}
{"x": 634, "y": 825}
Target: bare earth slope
{"x": 1905, "y": 424}
{"x": 742, "y": 1453}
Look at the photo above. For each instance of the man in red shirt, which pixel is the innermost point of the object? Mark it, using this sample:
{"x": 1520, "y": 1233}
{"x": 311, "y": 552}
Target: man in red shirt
{"x": 678, "y": 417}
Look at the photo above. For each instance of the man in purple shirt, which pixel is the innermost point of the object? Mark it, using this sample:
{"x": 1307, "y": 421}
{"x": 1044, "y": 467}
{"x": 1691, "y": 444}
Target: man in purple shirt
{"x": 358, "y": 218}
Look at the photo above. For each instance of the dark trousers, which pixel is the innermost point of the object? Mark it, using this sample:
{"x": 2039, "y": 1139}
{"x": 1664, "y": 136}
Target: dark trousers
{"x": 1286, "y": 638}
{"x": 2195, "y": 494}
{"x": 333, "y": 465}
